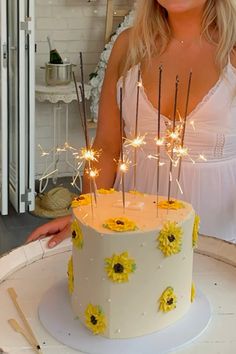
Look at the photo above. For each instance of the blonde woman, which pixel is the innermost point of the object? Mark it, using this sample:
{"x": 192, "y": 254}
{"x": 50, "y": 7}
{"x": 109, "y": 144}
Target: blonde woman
{"x": 182, "y": 36}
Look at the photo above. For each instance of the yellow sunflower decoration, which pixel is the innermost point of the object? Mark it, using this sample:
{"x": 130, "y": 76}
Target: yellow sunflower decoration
{"x": 83, "y": 199}
{"x": 193, "y": 292}
{"x": 76, "y": 233}
{"x": 95, "y": 319}
{"x": 170, "y": 238}
{"x": 70, "y": 274}
{"x": 172, "y": 204}
{"x": 119, "y": 267}
{"x": 106, "y": 191}
{"x": 168, "y": 300}
{"x": 120, "y": 224}
{"x": 196, "y": 230}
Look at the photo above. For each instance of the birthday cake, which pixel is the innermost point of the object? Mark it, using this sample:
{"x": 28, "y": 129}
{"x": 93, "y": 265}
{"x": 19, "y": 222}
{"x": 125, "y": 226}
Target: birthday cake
{"x": 130, "y": 273}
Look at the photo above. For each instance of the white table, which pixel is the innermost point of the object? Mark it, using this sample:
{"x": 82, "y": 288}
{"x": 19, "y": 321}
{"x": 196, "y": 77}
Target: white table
{"x": 59, "y": 96}
{"x": 32, "y": 269}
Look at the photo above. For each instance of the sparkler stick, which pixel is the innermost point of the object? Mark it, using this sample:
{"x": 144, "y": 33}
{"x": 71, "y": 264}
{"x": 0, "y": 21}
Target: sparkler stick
{"x": 92, "y": 184}
{"x": 158, "y": 133}
{"x": 83, "y": 101}
{"x": 173, "y": 130}
{"x": 136, "y": 130}
{"x": 121, "y": 150}
{"x": 78, "y": 100}
{"x": 184, "y": 122}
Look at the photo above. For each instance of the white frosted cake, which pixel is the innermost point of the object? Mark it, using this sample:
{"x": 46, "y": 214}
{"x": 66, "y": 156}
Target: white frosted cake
{"x": 131, "y": 272}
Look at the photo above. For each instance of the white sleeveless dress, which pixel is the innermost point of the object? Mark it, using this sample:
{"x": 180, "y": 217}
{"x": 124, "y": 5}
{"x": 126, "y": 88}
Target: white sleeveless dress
{"x": 210, "y": 186}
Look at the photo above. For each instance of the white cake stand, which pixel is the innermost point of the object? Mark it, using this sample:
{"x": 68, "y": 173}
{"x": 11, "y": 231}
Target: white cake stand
{"x": 56, "y": 315}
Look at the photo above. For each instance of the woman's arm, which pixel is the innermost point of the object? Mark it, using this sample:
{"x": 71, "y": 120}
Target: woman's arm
{"x": 107, "y": 140}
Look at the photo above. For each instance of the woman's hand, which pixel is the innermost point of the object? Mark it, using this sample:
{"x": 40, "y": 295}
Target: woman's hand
{"x": 58, "y": 229}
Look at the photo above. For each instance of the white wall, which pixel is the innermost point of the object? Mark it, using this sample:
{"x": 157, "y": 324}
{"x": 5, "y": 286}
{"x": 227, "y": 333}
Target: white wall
{"x": 74, "y": 25}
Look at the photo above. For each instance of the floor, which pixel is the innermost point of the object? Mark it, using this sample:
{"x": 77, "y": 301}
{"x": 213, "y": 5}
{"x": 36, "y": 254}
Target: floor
{"x": 15, "y": 228}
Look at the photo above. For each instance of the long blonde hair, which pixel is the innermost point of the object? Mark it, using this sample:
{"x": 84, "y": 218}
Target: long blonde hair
{"x": 151, "y": 27}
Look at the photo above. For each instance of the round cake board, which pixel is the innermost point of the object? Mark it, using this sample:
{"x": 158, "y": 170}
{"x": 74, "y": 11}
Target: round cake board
{"x": 56, "y": 315}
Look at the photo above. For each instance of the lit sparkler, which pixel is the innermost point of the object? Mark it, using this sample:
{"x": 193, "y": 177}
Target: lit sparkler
{"x": 93, "y": 173}
{"x": 184, "y": 126}
{"x": 173, "y": 132}
{"x": 123, "y": 165}
{"x": 159, "y": 141}
{"x": 137, "y": 141}
{"x": 87, "y": 154}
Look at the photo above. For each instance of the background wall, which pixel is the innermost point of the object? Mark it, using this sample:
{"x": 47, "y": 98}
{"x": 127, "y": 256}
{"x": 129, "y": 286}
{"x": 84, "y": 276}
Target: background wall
{"x": 74, "y": 26}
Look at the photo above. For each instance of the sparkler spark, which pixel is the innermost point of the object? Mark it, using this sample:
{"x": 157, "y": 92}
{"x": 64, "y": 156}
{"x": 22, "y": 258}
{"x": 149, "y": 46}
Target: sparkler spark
{"x": 123, "y": 167}
{"x": 174, "y": 135}
{"x": 43, "y": 152}
{"x": 89, "y": 154}
{"x": 136, "y": 142}
{"x": 155, "y": 157}
{"x": 93, "y": 173}
{"x": 192, "y": 123}
{"x": 139, "y": 84}
{"x": 179, "y": 186}
{"x": 61, "y": 149}
{"x": 181, "y": 151}
{"x": 202, "y": 157}
{"x": 159, "y": 142}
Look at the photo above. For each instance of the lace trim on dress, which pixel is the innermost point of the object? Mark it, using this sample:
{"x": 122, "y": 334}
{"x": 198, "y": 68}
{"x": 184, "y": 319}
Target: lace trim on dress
{"x": 204, "y": 100}
{"x": 199, "y": 106}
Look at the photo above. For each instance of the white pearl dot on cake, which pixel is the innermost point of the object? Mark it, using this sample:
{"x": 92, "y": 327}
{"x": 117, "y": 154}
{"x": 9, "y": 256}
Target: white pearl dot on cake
{"x": 95, "y": 11}
{"x": 142, "y": 244}
{"x": 160, "y": 266}
{"x": 108, "y": 300}
{"x": 103, "y": 279}
{"x": 118, "y": 331}
{"x": 144, "y": 313}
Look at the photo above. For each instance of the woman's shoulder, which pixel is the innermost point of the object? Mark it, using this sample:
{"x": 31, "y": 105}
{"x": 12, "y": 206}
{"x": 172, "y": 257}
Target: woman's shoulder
{"x": 122, "y": 42}
{"x": 124, "y": 36}
{"x": 120, "y": 49}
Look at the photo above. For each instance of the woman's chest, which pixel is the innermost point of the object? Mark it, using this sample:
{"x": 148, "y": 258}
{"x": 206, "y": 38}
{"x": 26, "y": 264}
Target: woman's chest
{"x": 176, "y": 78}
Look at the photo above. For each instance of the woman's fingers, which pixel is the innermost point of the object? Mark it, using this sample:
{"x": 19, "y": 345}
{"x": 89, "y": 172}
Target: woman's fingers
{"x": 54, "y": 227}
{"x": 38, "y": 233}
{"x": 59, "y": 237}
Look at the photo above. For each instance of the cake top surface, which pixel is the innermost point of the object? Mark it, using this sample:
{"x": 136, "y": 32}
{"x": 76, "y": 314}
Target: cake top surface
{"x": 141, "y": 209}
